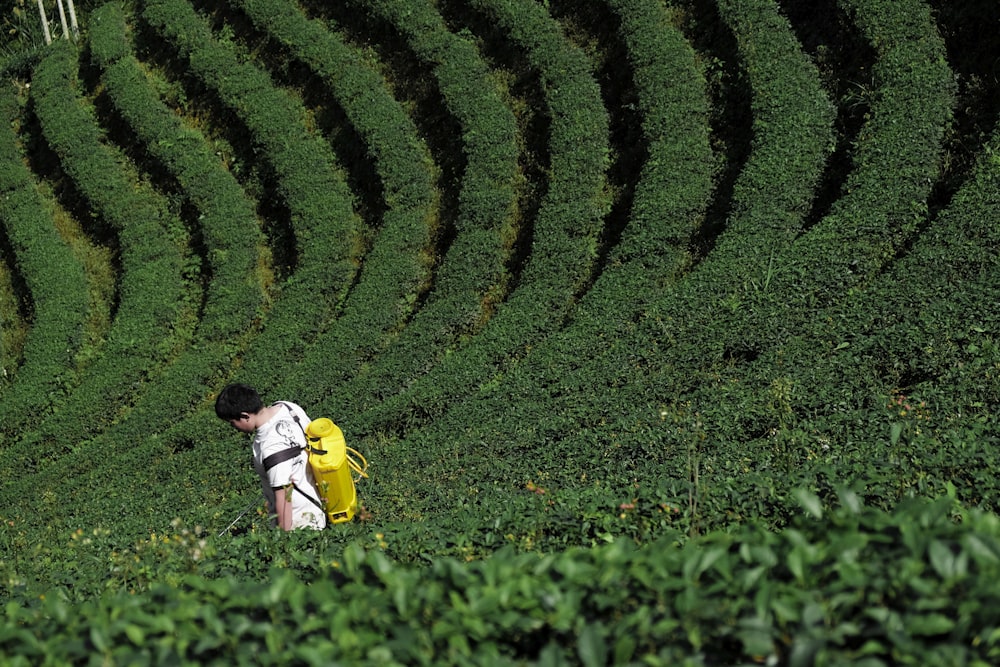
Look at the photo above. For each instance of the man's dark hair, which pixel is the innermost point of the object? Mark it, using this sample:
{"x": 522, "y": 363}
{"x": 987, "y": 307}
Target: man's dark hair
{"x": 235, "y": 399}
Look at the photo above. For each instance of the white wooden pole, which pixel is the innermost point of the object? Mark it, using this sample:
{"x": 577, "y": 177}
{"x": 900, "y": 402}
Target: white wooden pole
{"x": 62, "y": 19}
{"x": 45, "y": 22}
{"x": 72, "y": 21}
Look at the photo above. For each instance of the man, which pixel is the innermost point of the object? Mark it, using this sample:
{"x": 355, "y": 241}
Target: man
{"x": 279, "y": 454}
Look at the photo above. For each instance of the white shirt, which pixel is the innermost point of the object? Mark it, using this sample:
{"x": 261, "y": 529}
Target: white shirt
{"x": 276, "y": 435}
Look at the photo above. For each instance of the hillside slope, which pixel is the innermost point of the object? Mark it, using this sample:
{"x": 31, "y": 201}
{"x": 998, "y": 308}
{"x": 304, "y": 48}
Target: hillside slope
{"x": 565, "y": 273}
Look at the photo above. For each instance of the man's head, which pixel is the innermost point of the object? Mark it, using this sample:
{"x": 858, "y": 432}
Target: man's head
{"x": 238, "y": 404}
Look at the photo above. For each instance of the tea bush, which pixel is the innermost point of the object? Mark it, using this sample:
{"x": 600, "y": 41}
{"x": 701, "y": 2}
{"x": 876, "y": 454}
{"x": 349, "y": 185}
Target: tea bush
{"x": 154, "y": 310}
{"x": 844, "y": 584}
{"x": 226, "y": 226}
{"x": 54, "y": 277}
{"x": 565, "y": 230}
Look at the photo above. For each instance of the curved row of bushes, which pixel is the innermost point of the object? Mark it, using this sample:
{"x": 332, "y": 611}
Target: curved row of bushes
{"x": 565, "y": 394}
{"x": 228, "y": 235}
{"x": 54, "y": 278}
{"x": 773, "y": 314}
{"x": 227, "y": 227}
{"x": 896, "y": 158}
{"x": 668, "y": 208}
{"x": 792, "y": 136}
{"x": 469, "y": 280}
{"x": 476, "y": 439}
{"x": 155, "y": 291}
{"x": 327, "y": 231}
{"x": 673, "y": 185}
{"x": 398, "y": 265}
{"x": 916, "y": 359}
{"x": 792, "y": 133}
{"x": 884, "y": 200}
{"x": 801, "y": 385}
{"x": 565, "y": 231}
{"x": 684, "y": 421}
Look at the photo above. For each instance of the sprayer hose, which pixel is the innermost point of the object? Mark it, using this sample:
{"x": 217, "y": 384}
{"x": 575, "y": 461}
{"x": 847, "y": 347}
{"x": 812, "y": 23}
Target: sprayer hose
{"x": 359, "y": 468}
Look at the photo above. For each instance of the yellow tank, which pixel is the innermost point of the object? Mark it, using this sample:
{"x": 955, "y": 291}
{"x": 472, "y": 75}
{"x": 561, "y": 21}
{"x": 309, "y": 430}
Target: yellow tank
{"x": 331, "y": 469}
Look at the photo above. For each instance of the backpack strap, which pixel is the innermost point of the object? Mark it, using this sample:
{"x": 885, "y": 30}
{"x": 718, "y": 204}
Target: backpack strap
{"x": 295, "y": 416}
{"x": 309, "y": 498}
{"x": 282, "y": 456}
{"x": 305, "y": 435}
{"x": 289, "y": 454}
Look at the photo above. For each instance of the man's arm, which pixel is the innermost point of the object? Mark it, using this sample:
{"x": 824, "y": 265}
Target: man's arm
{"x": 283, "y": 506}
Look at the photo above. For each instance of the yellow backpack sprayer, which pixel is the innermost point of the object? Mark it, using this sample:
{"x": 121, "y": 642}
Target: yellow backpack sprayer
{"x": 334, "y": 466}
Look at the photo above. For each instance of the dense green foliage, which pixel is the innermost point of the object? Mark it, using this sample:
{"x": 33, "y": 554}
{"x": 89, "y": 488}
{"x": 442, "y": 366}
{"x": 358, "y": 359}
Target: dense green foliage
{"x": 669, "y": 329}
{"x": 852, "y": 586}
{"x": 155, "y": 292}
{"x": 54, "y": 278}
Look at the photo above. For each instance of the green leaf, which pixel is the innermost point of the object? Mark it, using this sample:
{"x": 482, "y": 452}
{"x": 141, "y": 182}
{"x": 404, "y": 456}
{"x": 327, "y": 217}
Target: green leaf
{"x": 711, "y": 557}
{"x": 99, "y": 638}
{"x": 983, "y": 553}
{"x": 946, "y": 562}
{"x": 810, "y": 502}
{"x": 796, "y": 564}
{"x": 850, "y": 500}
{"x": 929, "y": 625}
{"x": 625, "y": 649}
{"x": 135, "y": 634}
{"x": 804, "y": 651}
{"x": 591, "y": 647}
{"x": 755, "y": 634}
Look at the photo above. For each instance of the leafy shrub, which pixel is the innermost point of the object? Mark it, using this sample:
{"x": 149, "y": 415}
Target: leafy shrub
{"x": 850, "y": 584}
